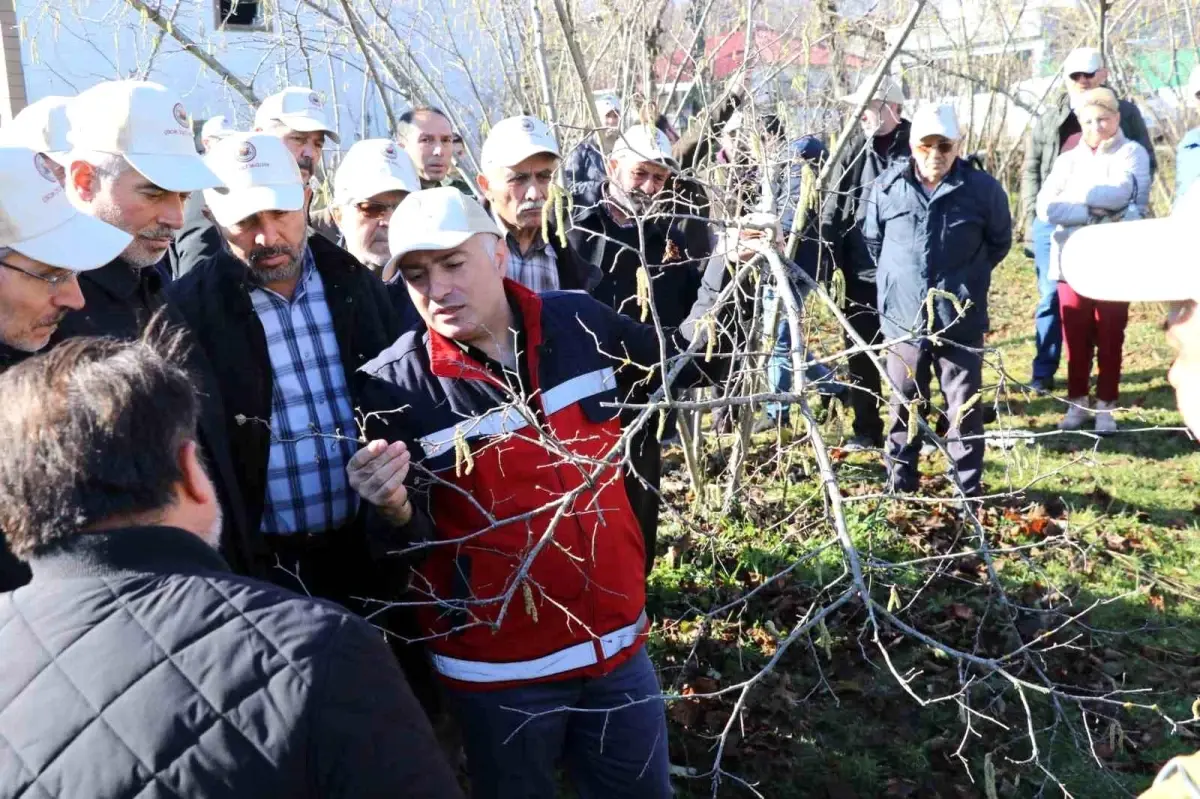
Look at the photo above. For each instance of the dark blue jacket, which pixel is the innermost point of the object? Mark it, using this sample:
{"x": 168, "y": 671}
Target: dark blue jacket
{"x": 950, "y": 242}
{"x": 585, "y": 164}
{"x": 136, "y": 664}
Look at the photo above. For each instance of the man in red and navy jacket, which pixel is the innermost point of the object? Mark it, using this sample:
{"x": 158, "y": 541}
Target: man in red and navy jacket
{"x": 531, "y": 591}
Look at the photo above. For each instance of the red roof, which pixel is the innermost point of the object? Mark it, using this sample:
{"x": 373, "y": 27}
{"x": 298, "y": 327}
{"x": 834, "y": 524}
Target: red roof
{"x": 725, "y": 52}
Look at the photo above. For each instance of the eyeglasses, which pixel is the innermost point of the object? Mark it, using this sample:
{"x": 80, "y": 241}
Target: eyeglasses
{"x": 942, "y": 147}
{"x": 1077, "y": 76}
{"x": 55, "y": 280}
{"x": 373, "y": 210}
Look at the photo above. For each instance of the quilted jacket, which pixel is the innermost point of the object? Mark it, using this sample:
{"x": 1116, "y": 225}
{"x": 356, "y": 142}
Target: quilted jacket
{"x": 136, "y": 664}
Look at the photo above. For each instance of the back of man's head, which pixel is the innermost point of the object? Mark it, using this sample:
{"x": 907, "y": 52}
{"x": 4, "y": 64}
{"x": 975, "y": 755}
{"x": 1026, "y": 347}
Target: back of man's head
{"x": 93, "y": 432}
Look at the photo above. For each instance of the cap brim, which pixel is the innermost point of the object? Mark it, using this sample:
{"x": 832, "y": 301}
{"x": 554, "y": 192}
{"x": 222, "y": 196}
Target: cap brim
{"x": 1141, "y": 261}
{"x": 433, "y": 240}
{"x": 174, "y": 172}
{"x": 80, "y": 243}
{"x": 309, "y": 125}
{"x": 385, "y": 184}
{"x": 60, "y": 157}
{"x": 518, "y": 156}
{"x": 231, "y": 207}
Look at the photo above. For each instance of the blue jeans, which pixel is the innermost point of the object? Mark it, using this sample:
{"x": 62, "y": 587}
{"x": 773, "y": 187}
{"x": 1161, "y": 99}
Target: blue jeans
{"x": 1046, "y": 318}
{"x": 622, "y": 754}
{"x": 779, "y": 370}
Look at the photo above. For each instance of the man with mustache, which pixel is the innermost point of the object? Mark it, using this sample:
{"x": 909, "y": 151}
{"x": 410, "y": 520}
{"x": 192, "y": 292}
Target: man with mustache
{"x": 286, "y": 319}
{"x": 133, "y": 165}
{"x": 43, "y": 248}
{"x": 297, "y": 116}
{"x": 374, "y": 176}
{"x": 518, "y": 162}
{"x": 624, "y": 226}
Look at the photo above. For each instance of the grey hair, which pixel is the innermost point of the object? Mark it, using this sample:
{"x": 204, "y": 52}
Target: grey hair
{"x": 107, "y": 166}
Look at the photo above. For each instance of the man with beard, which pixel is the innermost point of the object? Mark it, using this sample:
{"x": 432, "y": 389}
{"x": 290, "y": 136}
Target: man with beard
{"x": 286, "y": 319}
{"x": 297, "y": 116}
{"x": 623, "y": 226}
{"x": 132, "y": 165}
{"x": 518, "y": 161}
{"x": 44, "y": 245}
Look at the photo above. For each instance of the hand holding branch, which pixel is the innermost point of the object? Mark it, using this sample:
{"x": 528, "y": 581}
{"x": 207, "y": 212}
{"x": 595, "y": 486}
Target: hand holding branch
{"x": 377, "y": 473}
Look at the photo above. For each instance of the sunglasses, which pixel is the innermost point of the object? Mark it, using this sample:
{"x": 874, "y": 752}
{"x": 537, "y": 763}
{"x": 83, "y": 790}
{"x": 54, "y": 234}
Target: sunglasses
{"x": 55, "y": 279}
{"x": 1076, "y": 76}
{"x": 1179, "y": 312}
{"x": 373, "y": 210}
{"x": 942, "y": 147}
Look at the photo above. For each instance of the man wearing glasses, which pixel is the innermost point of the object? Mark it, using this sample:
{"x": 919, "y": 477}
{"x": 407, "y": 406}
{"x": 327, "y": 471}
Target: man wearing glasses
{"x": 45, "y": 244}
{"x": 936, "y": 227}
{"x": 1055, "y": 132}
{"x": 374, "y": 176}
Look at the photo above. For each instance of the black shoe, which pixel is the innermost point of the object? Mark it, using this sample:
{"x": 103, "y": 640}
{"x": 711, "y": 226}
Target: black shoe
{"x": 769, "y": 424}
{"x": 862, "y": 444}
{"x": 1042, "y": 385}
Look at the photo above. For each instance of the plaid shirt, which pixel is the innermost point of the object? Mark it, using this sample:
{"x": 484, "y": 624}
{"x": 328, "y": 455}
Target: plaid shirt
{"x": 537, "y": 269}
{"x": 307, "y": 487}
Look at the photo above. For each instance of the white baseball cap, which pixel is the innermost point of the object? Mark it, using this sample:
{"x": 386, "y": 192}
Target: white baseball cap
{"x": 644, "y": 143}
{"x": 38, "y": 221}
{"x": 216, "y": 128}
{"x": 1144, "y": 261}
{"x": 888, "y": 90}
{"x": 146, "y": 124}
{"x": 298, "y": 108}
{"x": 370, "y": 167}
{"x": 1082, "y": 59}
{"x": 935, "y": 120}
{"x": 42, "y": 127}
{"x": 259, "y": 173}
{"x": 436, "y": 219}
{"x": 513, "y": 140}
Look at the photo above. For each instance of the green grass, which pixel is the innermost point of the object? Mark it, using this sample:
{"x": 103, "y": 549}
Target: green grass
{"x": 1116, "y": 524}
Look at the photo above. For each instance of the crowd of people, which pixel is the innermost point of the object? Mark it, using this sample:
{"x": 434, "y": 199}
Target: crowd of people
{"x": 297, "y": 471}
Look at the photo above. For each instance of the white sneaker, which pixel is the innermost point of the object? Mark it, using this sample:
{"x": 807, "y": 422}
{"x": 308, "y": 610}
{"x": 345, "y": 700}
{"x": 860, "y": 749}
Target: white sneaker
{"x": 1105, "y": 423}
{"x": 1077, "y": 415}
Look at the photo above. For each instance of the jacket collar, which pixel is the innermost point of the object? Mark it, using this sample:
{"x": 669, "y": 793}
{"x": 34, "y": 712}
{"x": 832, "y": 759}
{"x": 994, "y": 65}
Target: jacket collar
{"x": 955, "y": 178}
{"x": 448, "y": 359}
{"x": 161, "y": 550}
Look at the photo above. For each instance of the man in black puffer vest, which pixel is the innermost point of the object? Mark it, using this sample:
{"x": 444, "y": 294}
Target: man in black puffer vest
{"x": 135, "y": 663}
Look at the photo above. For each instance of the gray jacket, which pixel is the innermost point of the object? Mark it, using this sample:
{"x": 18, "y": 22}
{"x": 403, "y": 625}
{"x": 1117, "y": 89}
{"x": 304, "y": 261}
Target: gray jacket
{"x": 951, "y": 242}
{"x": 1042, "y": 149}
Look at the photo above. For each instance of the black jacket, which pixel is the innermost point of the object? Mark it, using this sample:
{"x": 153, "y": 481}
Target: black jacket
{"x": 119, "y": 302}
{"x": 215, "y": 301}
{"x": 135, "y": 663}
{"x": 674, "y": 265}
{"x": 197, "y": 241}
{"x": 13, "y": 573}
{"x": 844, "y": 205}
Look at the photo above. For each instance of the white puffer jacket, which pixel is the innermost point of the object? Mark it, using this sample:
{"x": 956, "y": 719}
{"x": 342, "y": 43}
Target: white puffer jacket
{"x": 1114, "y": 179}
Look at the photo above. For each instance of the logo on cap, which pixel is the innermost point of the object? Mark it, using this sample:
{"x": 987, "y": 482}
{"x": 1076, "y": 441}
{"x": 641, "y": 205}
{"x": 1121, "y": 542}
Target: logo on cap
{"x": 246, "y": 153}
{"x": 527, "y": 125}
{"x": 40, "y": 163}
{"x": 180, "y": 115}
{"x": 314, "y": 100}
{"x": 389, "y": 152}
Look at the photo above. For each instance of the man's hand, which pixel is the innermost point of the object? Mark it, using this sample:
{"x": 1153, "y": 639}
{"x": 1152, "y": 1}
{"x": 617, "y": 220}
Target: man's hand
{"x": 377, "y": 473}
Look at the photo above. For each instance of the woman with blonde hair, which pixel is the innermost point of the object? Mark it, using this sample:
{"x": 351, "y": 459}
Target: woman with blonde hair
{"x": 1105, "y": 178}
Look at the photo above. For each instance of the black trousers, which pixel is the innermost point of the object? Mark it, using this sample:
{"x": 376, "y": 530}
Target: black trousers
{"x": 646, "y": 464}
{"x": 960, "y": 373}
{"x": 863, "y": 315}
